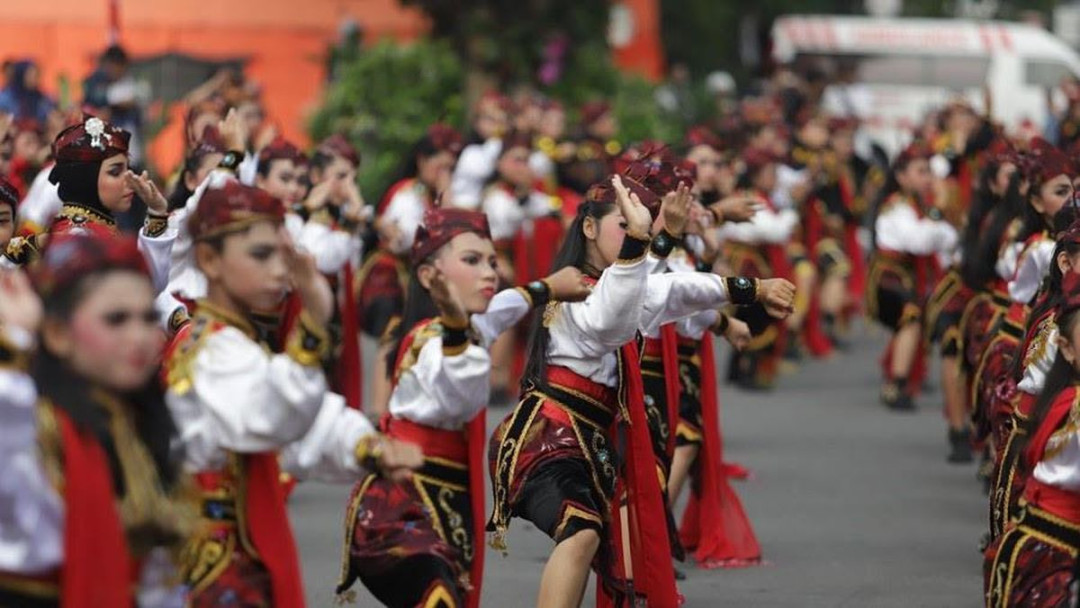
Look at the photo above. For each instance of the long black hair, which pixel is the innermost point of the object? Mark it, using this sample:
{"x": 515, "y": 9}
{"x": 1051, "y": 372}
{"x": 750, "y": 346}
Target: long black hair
{"x": 983, "y": 243}
{"x": 418, "y": 307}
{"x": 422, "y": 148}
{"x": 1062, "y": 374}
{"x": 985, "y": 201}
{"x": 572, "y": 253}
{"x": 73, "y": 394}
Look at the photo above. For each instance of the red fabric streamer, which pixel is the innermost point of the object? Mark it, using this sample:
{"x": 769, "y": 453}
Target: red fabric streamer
{"x": 715, "y": 524}
{"x": 350, "y": 368}
{"x": 650, "y": 548}
{"x": 97, "y": 567}
{"x": 271, "y": 533}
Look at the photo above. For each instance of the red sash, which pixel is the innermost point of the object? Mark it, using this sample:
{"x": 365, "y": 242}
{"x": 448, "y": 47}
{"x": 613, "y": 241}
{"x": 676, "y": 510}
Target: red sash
{"x": 1054, "y": 500}
{"x": 650, "y": 548}
{"x": 1059, "y": 410}
{"x": 714, "y": 523}
{"x": 270, "y": 532}
{"x": 97, "y": 568}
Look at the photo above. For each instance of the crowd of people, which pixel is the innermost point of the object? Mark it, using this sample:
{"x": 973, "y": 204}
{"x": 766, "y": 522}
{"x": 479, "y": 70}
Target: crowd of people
{"x": 164, "y": 391}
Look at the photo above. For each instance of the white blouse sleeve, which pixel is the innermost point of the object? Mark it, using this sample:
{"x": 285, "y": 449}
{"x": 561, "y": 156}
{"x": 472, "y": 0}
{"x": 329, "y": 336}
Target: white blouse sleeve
{"x": 31, "y": 511}
{"x": 158, "y": 253}
{"x": 609, "y": 317}
{"x": 475, "y": 164}
{"x": 406, "y": 211}
{"x": 504, "y": 214}
{"x": 444, "y": 391}
{"x": 327, "y": 452}
{"x": 766, "y": 226}
{"x": 244, "y": 400}
{"x": 899, "y": 228}
{"x": 676, "y": 295}
{"x": 42, "y": 201}
{"x": 1033, "y": 269}
{"x": 332, "y": 248}
{"x": 505, "y": 310}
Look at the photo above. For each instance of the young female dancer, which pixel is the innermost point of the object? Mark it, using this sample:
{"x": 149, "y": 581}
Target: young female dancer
{"x": 92, "y": 515}
{"x": 552, "y": 459}
{"x": 908, "y": 232}
{"x": 238, "y": 405}
{"x": 1035, "y": 564}
{"x": 420, "y": 543}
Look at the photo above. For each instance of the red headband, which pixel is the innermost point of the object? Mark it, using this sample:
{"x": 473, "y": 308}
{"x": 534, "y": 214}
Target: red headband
{"x": 338, "y": 145}
{"x": 280, "y": 149}
{"x": 441, "y": 225}
{"x": 1044, "y": 162}
{"x": 92, "y": 140}
{"x": 649, "y": 180}
{"x": 233, "y": 207}
{"x": 70, "y": 257}
{"x": 445, "y": 138}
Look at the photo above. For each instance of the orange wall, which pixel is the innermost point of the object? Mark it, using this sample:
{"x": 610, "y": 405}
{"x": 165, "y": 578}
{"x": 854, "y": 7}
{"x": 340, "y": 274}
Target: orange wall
{"x": 286, "y": 41}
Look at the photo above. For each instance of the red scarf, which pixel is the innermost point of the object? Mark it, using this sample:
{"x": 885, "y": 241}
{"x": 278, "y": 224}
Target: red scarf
{"x": 350, "y": 368}
{"x": 714, "y": 523}
{"x": 97, "y": 568}
{"x": 650, "y": 548}
{"x": 269, "y": 529}
{"x": 1059, "y": 410}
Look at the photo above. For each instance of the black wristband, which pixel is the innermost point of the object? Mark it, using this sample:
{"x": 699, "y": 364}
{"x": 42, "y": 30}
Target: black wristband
{"x": 721, "y": 324}
{"x": 231, "y": 160}
{"x": 702, "y": 266}
{"x": 663, "y": 244}
{"x": 741, "y": 290}
{"x": 935, "y": 214}
{"x": 633, "y": 249}
{"x": 539, "y": 293}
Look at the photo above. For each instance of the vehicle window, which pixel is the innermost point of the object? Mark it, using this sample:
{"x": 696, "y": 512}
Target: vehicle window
{"x": 946, "y": 71}
{"x": 1045, "y": 74}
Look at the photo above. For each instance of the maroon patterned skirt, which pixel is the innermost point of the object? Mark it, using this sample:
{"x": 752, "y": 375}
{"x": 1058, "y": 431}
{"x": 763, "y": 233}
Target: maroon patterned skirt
{"x": 1035, "y": 564}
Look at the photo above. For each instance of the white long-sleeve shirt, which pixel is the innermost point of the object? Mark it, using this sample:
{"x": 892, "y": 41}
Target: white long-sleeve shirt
{"x": 899, "y": 228}
{"x": 584, "y": 336}
{"x": 474, "y": 166}
{"x": 1033, "y": 266}
{"x": 766, "y": 227}
{"x": 446, "y": 392}
{"x": 507, "y": 215}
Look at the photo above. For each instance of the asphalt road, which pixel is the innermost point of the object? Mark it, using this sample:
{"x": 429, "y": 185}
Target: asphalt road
{"x": 854, "y": 506}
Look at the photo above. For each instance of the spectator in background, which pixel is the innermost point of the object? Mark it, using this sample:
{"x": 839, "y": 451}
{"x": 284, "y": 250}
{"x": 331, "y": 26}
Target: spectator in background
{"x": 112, "y": 87}
{"x": 21, "y": 96}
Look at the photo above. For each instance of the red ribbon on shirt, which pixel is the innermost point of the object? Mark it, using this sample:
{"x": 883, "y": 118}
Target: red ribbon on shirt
{"x": 714, "y": 523}
{"x": 669, "y": 345}
{"x": 97, "y": 567}
{"x": 650, "y": 548}
{"x": 268, "y": 525}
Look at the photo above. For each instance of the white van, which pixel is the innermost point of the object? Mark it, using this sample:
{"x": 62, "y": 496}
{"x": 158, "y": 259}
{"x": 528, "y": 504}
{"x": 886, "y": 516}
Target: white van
{"x": 905, "y": 67}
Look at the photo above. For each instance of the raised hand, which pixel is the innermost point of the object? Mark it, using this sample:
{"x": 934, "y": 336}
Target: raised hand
{"x": 675, "y": 210}
{"x": 778, "y": 297}
{"x": 568, "y": 285}
{"x": 233, "y": 131}
{"x": 637, "y": 216}
{"x": 20, "y": 305}
{"x": 148, "y": 192}
{"x": 736, "y": 208}
{"x": 315, "y": 292}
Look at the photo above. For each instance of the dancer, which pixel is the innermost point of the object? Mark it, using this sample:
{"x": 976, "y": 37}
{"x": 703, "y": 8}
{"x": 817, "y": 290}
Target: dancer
{"x": 93, "y": 510}
{"x": 420, "y": 542}
{"x": 1036, "y": 561}
{"x": 908, "y": 232}
{"x": 552, "y": 460}
{"x": 237, "y": 405}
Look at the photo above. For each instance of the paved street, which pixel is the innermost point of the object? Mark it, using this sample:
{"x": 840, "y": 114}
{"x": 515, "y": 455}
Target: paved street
{"x": 854, "y": 506}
